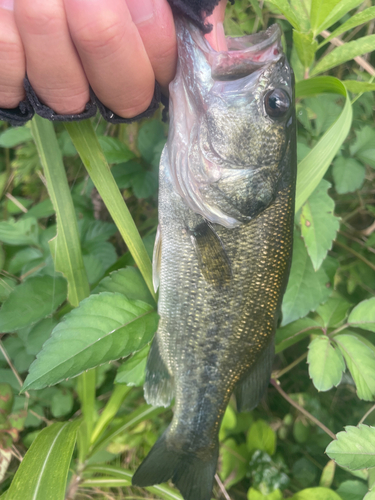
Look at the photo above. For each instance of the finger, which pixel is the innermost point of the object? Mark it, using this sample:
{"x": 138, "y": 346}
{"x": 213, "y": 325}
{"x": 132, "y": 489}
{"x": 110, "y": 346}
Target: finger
{"x": 112, "y": 54}
{"x": 216, "y": 38}
{"x": 12, "y": 59}
{"x": 155, "y": 24}
{"x": 52, "y": 64}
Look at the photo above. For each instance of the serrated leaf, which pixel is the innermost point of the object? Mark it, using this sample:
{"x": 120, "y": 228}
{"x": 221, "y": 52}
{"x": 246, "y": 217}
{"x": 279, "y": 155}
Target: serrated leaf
{"x": 306, "y": 289}
{"x": 354, "y": 448}
{"x": 22, "y": 232}
{"x": 123, "y": 173}
{"x": 294, "y": 332}
{"x": 363, "y": 315}
{"x": 95, "y": 231}
{"x": 360, "y": 360}
{"x": 144, "y": 184}
{"x": 352, "y": 490}
{"x": 32, "y": 301}
{"x": 129, "y": 282}
{"x": 149, "y": 135}
{"x": 356, "y": 20}
{"x": 103, "y": 328}
{"x": 306, "y": 47}
{"x": 14, "y": 136}
{"x": 364, "y": 146}
{"x": 39, "y": 334}
{"x": 344, "y": 53}
{"x": 317, "y": 493}
{"x": 114, "y": 150}
{"x": 318, "y": 223}
{"x": 334, "y": 311}
{"x": 133, "y": 371}
{"x": 44, "y": 470}
{"x": 348, "y": 175}
{"x": 23, "y": 257}
{"x": 234, "y": 458}
{"x": 326, "y": 364}
{"x": 261, "y": 437}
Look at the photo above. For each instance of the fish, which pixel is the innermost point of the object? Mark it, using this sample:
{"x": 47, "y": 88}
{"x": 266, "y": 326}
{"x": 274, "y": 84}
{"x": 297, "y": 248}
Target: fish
{"x": 223, "y": 247}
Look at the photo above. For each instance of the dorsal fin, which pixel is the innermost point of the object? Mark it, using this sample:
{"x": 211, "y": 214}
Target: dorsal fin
{"x": 213, "y": 260}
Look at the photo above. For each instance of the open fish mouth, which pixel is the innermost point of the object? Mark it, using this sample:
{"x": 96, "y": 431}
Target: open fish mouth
{"x": 244, "y": 55}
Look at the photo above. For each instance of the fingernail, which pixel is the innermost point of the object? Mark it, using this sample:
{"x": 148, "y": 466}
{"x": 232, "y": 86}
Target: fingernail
{"x": 7, "y": 4}
{"x": 140, "y": 10}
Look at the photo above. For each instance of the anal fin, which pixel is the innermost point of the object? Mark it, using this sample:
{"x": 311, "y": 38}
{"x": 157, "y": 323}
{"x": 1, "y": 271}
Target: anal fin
{"x": 212, "y": 257}
{"x": 158, "y": 387}
{"x": 251, "y": 388}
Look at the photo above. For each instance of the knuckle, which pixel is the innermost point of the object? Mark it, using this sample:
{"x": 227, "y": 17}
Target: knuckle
{"x": 39, "y": 17}
{"x": 101, "y": 37}
{"x": 137, "y": 105}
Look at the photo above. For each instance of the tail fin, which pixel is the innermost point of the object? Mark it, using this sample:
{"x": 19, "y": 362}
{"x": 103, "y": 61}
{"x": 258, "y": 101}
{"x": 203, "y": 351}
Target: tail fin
{"x": 193, "y": 476}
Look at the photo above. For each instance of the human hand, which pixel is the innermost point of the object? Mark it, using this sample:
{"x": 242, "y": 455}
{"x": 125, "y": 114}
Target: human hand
{"x": 118, "y": 47}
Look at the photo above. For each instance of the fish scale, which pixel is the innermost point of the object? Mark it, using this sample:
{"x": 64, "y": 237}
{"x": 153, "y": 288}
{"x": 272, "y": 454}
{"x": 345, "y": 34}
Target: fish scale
{"x": 226, "y": 211}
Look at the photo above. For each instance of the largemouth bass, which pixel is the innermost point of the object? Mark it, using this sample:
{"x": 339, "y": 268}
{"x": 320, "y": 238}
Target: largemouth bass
{"x": 224, "y": 244}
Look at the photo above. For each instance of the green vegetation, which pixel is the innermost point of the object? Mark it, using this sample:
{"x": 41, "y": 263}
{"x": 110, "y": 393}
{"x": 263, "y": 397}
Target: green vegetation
{"x": 79, "y": 311}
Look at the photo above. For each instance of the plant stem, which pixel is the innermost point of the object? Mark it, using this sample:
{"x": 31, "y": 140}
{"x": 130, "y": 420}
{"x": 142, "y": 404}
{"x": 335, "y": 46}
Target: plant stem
{"x": 282, "y": 372}
{"x": 276, "y": 385}
{"x": 356, "y": 254}
{"x": 366, "y": 414}
{"x": 222, "y": 487}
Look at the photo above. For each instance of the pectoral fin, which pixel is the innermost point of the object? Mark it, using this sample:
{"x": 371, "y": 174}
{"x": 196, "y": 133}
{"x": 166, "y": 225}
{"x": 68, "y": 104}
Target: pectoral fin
{"x": 158, "y": 387}
{"x": 252, "y": 387}
{"x": 212, "y": 257}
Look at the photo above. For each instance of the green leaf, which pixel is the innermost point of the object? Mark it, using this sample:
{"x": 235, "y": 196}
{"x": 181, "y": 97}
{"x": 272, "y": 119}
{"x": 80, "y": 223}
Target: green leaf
{"x": 32, "y": 301}
{"x": 39, "y": 334}
{"x": 364, "y": 146}
{"x": 363, "y": 315}
{"x": 292, "y": 333}
{"x": 103, "y": 328}
{"x": 129, "y": 282}
{"x": 328, "y": 474}
{"x": 326, "y": 364}
{"x": 144, "y": 184}
{"x": 133, "y": 371}
{"x": 318, "y": 223}
{"x": 348, "y": 175}
{"x": 114, "y": 150}
{"x": 149, "y": 135}
{"x": 14, "y": 209}
{"x": 360, "y": 360}
{"x": 234, "y": 460}
{"x": 22, "y": 232}
{"x": 318, "y": 493}
{"x": 306, "y": 289}
{"x": 65, "y": 247}
{"x": 61, "y": 404}
{"x": 254, "y": 494}
{"x": 356, "y": 20}
{"x": 313, "y": 167}
{"x": 370, "y": 495}
{"x": 44, "y": 470}
{"x": 261, "y": 437}
{"x": 320, "y": 9}
{"x": 41, "y": 210}
{"x": 334, "y": 311}
{"x": 354, "y": 448}
{"x": 284, "y": 7}
{"x": 124, "y": 173}
{"x": 306, "y": 47}
{"x": 23, "y": 257}
{"x": 352, "y": 490}
{"x": 86, "y": 143}
{"x": 359, "y": 87}
{"x": 14, "y": 136}
{"x": 337, "y": 13}
{"x": 344, "y": 53}
{"x": 126, "y": 477}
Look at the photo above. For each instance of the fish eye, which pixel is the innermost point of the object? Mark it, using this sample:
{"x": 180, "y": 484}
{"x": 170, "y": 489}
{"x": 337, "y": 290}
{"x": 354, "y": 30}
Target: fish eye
{"x": 277, "y": 103}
